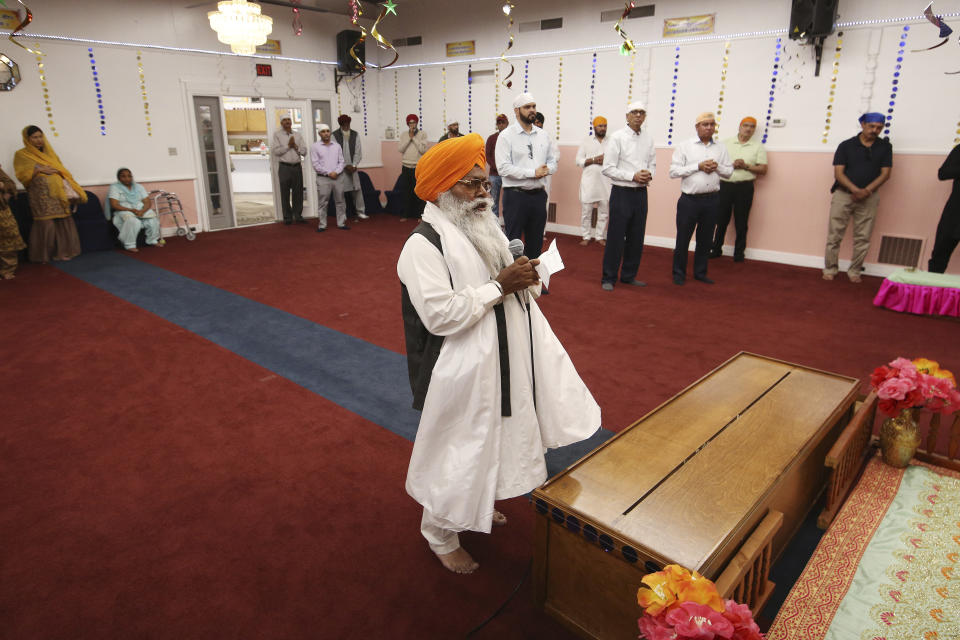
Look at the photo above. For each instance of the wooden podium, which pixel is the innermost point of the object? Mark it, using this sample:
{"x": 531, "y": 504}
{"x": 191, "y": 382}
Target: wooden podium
{"x": 685, "y": 484}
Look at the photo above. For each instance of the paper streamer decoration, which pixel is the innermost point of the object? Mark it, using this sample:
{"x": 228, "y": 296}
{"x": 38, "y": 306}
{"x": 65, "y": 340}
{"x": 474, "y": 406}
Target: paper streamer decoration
{"x": 723, "y": 82}
{"x": 526, "y": 75}
{"x": 593, "y": 85}
{"x": 297, "y": 24}
{"x": 469, "y": 98}
{"x": 41, "y": 69}
{"x": 833, "y": 88}
{"x": 355, "y": 12}
{"x": 895, "y": 82}
{"x": 508, "y": 11}
{"x": 96, "y": 85}
{"x": 443, "y": 92}
{"x": 363, "y": 98}
{"x": 773, "y": 86}
{"x": 936, "y": 21}
{"x": 143, "y": 93}
{"x": 559, "y": 91}
{"x": 27, "y": 19}
{"x": 382, "y": 42}
{"x": 627, "y": 47}
{"x": 673, "y": 94}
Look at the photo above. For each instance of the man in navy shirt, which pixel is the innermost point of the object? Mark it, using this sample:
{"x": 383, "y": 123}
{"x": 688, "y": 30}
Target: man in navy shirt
{"x": 948, "y": 231}
{"x": 860, "y": 165}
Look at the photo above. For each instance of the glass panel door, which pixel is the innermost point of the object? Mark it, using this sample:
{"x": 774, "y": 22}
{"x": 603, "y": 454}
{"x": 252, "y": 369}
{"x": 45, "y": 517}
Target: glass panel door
{"x": 277, "y": 110}
{"x": 214, "y": 162}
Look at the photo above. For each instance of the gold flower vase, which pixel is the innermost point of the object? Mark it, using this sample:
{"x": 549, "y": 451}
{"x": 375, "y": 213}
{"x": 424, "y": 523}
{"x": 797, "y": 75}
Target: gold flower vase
{"x": 899, "y": 438}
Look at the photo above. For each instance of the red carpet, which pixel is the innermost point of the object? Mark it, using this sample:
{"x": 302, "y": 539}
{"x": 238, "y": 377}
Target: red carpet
{"x": 159, "y": 486}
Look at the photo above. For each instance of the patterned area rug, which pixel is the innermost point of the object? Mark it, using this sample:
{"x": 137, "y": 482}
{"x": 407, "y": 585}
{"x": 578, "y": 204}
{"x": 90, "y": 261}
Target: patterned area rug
{"x": 253, "y": 208}
{"x": 886, "y": 569}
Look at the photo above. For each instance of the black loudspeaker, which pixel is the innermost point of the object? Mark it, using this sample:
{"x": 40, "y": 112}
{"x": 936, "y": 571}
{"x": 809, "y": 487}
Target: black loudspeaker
{"x": 345, "y": 62}
{"x": 811, "y": 19}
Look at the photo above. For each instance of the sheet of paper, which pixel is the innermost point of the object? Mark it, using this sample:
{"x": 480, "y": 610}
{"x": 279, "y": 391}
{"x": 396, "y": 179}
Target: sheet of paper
{"x": 550, "y": 263}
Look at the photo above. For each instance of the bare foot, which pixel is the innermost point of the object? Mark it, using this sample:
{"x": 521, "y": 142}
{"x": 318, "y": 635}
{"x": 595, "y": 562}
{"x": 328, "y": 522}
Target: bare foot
{"x": 602, "y": 243}
{"x": 134, "y": 250}
{"x": 584, "y": 243}
{"x": 458, "y": 561}
{"x": 499, "y": 519}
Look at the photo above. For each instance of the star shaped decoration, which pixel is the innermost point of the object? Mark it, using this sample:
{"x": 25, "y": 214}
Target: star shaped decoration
{"x": 390, "y": 6}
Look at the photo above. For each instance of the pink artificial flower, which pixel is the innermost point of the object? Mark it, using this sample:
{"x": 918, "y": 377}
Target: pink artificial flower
{"x": 655, "y": 628}
{"x": 942, "y": 396}
{"x": 698, "y": 622}
{"x": 904, "y": 366}
{"x": 895, "y": 389}
{"x": 744, "y": 628}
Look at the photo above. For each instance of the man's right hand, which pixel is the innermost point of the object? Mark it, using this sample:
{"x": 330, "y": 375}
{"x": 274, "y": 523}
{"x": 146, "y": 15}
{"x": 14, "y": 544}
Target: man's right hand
{"x": 642, "y": 177}
{"x": 541, "y": 172}
{"x": 708, "y": 166}
{"x": 291, "y": 143}
{"x": 519, "y": 275}
{"x": 859, "y": 194}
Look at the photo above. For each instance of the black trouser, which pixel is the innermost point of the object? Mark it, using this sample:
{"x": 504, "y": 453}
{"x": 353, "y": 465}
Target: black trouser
{"x": 625, "y": 231}
{"x": 291, "y": 191}
{"x": 525, "y": 214}
{"x": 412, "y": 205}
{"x": 948, "y": 236}
{"x": 694, "y": 212}
{"x": 736, "y": 197}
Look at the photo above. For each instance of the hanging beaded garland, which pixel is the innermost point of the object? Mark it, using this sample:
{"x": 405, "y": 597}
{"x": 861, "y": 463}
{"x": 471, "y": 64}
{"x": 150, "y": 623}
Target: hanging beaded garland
{"x": 723, "y": 81}
{"x": 834, "y": 72}
{"x": 363, "y": 98}
{"x": 559, "y": 91}
{"x": 773, "y": 86}
{"x": 630, "y": 81}
{"x": 143, "y": 93}
{"x": 420, "y": 97}
{"x": 469, "y": 97}
{"x": 957, "y": 139}
{"x": 895, "y": 84}
{"x": 526, "y": 75}
{"x": 593, "y": 84}
{"x": 96, "y": 85}
{"x": 443, "y": 90}
{"x": 496, "y": 92}
{"x": 396, "y": 101}
{"x": 673, "y": 94}
{"x": 46, "y": 94}
{"x": 339, "y": 102}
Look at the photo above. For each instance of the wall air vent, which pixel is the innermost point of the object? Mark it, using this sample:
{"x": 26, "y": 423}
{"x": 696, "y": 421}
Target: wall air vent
{"x": 646, "y": 11}
{"x": 412, "y": 41}
{"x": 900, "y": 250}
{"x": 542, "y": 25}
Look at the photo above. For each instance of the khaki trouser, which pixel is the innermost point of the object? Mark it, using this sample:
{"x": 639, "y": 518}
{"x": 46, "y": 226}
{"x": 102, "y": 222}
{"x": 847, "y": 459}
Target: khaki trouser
{"x": 842, "y": 208}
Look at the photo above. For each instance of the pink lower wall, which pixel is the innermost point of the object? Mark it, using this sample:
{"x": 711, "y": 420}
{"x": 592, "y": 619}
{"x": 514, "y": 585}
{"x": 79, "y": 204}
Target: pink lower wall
{"x": 790, "y": 204}
{"x": 183, "y": 189}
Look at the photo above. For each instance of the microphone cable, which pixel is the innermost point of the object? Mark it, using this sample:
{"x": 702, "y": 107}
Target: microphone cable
{"x": 500, "y": 609}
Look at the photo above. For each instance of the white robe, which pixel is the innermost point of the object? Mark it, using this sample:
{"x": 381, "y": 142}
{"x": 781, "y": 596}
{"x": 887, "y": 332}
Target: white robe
{"x": 466, "y": 454}
{"x": 594, "y": 186}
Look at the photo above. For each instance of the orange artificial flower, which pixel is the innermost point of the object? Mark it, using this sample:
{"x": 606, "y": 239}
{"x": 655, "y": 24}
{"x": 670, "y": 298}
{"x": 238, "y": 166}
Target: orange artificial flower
{"x": 929, "y": 367}
{"x": 666, "y": 589}
{"x": 657, "y": 595}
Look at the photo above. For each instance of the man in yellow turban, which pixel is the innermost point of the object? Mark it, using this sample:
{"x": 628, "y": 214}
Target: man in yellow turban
{"x": 594, "y": 186}
{"x": 476, "y": 341}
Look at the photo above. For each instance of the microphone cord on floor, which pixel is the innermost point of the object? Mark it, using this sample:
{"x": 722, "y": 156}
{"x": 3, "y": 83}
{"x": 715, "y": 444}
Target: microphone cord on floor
{"x": 505, "y": 602}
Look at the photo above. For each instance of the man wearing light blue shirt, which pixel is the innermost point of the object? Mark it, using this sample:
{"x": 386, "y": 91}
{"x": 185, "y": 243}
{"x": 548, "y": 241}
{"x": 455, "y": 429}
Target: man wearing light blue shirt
{"x": 525, "y": 157}
{"x": 700, "y": 162}
{"x": 630, "y": 162}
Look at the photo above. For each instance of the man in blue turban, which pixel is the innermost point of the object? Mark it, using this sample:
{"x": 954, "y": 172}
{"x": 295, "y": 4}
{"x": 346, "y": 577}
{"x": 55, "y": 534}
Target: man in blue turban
{"x": 860, "y": 165}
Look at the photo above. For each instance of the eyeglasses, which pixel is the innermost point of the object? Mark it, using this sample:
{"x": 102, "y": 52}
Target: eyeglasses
{"x": 476, "y": 184}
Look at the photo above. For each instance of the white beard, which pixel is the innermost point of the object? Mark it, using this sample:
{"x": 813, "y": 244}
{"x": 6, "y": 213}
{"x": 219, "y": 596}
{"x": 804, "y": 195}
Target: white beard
{"x": 481, "y": 228}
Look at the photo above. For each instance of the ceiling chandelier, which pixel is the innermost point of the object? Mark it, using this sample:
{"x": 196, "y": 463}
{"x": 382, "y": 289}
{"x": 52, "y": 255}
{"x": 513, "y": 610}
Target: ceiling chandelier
{"x": 239, "y": 24}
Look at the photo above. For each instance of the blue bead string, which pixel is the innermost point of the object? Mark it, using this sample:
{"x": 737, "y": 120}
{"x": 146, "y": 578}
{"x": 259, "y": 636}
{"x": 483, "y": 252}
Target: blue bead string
{"x": 895, "y": 83}
{"x": 469, "y": 98}
{"x": 420, "y": 97}
{"x": 96, "y": 84}
{"x": 363, "y": 97}
{"x": 773, "y": 86}
{"x": 593, "y": 84}
{"x": 526, "y": 75}
{"x": 673, "y": 94}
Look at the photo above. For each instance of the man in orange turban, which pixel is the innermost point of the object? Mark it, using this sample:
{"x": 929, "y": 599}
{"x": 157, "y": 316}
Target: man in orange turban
{"x": 594, "y": 186}
{"x": 476, "y": 341}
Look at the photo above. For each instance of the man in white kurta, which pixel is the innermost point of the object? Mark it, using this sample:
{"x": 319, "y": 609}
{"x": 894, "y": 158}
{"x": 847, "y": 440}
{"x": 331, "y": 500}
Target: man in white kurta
{"x": 594, "y": 186}
{"x": 349, "y": 142}
{"x": 489, "y": 408}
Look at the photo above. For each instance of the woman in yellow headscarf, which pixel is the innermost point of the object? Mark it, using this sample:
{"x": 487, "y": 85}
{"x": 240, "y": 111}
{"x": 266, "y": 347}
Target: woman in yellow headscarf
{"x": 53, "y": 195}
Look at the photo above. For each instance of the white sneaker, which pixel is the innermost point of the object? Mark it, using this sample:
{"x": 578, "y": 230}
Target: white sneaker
{"x": 363, "y": 216}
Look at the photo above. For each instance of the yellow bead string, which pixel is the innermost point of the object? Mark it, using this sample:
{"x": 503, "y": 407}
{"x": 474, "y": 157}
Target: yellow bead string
{"x": 143, "y": 93}
{"x": 834, "y": 72}
{"x": 41, "y": 67}
{"x": 723, "y": 82}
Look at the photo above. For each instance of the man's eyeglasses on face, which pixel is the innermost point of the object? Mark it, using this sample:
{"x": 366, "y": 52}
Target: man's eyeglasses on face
{"x": 476, "y": 184}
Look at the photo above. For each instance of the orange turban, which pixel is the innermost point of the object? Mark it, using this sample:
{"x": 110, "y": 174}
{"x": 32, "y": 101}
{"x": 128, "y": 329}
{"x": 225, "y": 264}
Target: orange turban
{"x": 445, "y": 163}
{"x": 599, "y": 120}
{"x": 752, "y": 121}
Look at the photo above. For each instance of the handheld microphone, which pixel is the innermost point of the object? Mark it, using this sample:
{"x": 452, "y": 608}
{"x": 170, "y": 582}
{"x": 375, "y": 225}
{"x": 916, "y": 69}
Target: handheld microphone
{"x": 516, "y": 248}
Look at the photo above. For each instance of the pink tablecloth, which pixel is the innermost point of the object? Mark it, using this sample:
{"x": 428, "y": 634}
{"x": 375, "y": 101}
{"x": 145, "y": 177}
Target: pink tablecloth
{"x": 920, "y": 299}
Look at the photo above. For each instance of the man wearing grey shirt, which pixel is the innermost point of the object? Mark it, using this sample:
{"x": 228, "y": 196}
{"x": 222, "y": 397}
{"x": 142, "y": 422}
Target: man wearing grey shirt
{"x": 288, "y": 147}
{"x": 700, "y": 162}
{"x": 525, "y": 157}
{"x": 630, "y": 162}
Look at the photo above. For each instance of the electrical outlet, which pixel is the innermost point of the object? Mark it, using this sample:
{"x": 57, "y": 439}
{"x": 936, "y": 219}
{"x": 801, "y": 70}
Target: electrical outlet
{"x": 172, "y": 151}
{"x": 778, "y": 122}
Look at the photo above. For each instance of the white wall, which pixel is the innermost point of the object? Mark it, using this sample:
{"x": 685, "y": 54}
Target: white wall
{"x": 94, "y": 158}
{"x": 925, "y": 118}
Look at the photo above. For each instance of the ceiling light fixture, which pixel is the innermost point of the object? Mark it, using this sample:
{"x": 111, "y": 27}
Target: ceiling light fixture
{"x": 240, "y": 24}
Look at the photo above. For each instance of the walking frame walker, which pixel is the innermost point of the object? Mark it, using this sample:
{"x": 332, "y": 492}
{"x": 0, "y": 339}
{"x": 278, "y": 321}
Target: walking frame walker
{"x": 168, "y": 204}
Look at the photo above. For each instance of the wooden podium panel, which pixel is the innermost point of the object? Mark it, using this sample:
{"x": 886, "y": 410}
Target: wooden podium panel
{"x": 685, "y": 484}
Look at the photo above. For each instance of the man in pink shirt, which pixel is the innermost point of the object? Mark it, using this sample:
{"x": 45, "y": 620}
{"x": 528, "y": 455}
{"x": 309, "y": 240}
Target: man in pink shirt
{"x": 327, "y": 158}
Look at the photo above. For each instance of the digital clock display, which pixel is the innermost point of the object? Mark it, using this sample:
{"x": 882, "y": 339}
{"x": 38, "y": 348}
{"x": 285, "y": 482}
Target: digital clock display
{"x": 264, "y": 70}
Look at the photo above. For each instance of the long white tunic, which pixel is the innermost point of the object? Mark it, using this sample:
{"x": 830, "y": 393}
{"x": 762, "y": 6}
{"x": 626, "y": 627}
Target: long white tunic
{"x": 594, "y": 186}
{"x": 466, "y": 454}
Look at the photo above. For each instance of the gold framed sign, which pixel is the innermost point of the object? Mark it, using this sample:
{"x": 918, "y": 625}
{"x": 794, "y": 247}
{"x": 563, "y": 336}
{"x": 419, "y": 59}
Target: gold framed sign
{"x": 466, "y": 48}
{"x": 689, "y": 25}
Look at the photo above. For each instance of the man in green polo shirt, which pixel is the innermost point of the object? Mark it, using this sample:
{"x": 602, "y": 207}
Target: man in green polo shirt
{"x": 736, "y": 192}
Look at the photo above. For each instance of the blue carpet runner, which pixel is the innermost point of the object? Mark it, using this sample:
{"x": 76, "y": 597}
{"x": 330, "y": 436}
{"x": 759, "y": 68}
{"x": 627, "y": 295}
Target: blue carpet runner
{"x": 361, "y": 377}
